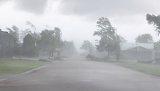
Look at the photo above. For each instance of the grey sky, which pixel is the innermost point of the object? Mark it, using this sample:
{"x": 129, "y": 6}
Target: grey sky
{"x": 108, "y": 7}
{"x": 33, "y": 6}
{"x": 77, "y": 18}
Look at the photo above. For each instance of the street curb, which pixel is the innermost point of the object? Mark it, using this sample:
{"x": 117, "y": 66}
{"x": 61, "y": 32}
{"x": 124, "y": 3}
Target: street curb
{"x": 27, "y": 72}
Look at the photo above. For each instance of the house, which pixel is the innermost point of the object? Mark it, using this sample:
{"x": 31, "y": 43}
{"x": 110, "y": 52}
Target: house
{"x": 137, "y": 51}
{"x": 6, "y": 44}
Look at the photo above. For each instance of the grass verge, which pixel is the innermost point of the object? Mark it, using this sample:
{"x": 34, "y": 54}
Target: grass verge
{"x": 145, "y": 68}
{"x": 19, "y": 66}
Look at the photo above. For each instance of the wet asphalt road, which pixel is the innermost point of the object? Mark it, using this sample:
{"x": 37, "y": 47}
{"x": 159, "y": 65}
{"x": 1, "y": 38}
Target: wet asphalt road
{"x": 82, "y": 75}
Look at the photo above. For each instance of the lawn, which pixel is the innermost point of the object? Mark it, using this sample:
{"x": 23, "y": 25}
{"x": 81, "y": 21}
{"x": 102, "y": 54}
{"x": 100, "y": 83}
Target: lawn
{"x": 19, "y": 66}
{"x": 152, "y": 69}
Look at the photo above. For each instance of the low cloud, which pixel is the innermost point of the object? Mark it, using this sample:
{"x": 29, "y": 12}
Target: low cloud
{"x": 33, "y": 6}
{"x": 108, "y": 7}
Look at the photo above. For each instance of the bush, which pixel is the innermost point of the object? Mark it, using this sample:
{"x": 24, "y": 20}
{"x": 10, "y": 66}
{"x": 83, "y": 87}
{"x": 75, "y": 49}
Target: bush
{"x": 90, "y": 57}
{"x": 44, "y": 60}
{"x": 58, "y": 58}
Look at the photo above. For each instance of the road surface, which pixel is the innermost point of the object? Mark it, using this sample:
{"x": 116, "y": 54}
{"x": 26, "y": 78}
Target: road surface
{"x": 73, "y": 75}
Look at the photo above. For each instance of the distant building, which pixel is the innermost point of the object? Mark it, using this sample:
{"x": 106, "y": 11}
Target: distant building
{"x": 6, "y": 44}
{"x": 137, "y": 51}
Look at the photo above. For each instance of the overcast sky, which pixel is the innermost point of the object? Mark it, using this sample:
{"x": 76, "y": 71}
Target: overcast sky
{"x": 77, "y": 18}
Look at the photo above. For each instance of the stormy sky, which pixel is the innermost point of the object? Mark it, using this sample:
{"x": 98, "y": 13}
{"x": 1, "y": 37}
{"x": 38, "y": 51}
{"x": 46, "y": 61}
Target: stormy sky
{"x": 77, "y": 18}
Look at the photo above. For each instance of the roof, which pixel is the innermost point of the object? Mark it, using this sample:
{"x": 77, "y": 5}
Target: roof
{"x": 127, "y": 46}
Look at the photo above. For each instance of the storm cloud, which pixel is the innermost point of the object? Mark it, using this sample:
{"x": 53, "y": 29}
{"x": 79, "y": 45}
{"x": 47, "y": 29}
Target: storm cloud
{"x": 33, "y": 6}
{"x": 108, "y": 7}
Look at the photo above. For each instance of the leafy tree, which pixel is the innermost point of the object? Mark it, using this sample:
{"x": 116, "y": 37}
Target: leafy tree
{"x": 24, "y": 33}
{"x": 107, "y": 32}
{"x": 31, "y": 25}
{"x": 87, "y": 46}
{"x": 50, "y": 41}
{"x": 57, "y": 41}
{"x": 109, "y": 41}
{"x": 31, "y": 30}
{"x": 155, "y": 20}
{"x": 29, "y": 48}
{"x": 144, "y": 38}
{"x": 14, "y": 31}
{"x": 46, "y": 41}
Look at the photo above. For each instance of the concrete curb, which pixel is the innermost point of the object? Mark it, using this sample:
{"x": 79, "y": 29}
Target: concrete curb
{"x": 27, "y": 72}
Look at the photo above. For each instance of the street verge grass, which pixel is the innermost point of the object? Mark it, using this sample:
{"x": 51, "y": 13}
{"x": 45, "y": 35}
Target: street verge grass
{"x": 18, "y": 66}
{"x": 152, "y": 69}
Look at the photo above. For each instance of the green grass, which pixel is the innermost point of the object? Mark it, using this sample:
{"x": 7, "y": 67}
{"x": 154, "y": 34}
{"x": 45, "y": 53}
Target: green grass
{"x": 18, "y": 66}
{"x": 145, "y": 68}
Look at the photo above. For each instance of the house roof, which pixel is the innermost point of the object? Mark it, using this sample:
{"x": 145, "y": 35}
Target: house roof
{"x": 127, "y": 46}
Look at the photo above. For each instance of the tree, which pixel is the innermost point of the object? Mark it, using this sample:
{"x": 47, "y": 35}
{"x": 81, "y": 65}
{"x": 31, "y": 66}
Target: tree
{"x": 108, "y": 36}
{"x": 50, "y": 41}
{"x": 31, "y": 25}
{"x": 144, "y": 38}
{"x": 14, "y": 31}
{"x": 46, "y": 41}
{"x": 29, "y": 48}
{"x": 155, "y": 20}
{"x": 87, "y": 46}
{"x": 31, "y": 30}
{"x": 57, "y": 45}
{"x": 24, "y": 33}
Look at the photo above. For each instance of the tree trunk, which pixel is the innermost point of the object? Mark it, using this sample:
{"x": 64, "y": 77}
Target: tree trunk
{"x": 118, "y": 50}
{"x": 108, "y": 55}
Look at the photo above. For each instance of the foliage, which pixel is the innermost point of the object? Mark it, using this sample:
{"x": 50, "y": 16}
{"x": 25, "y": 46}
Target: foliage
{"x": 90, "y": 57}
{"x": 46, "y": 41}
{"x": 29, "y": 47}
{"x": 30, "y": 24}
{"x": 144, "y": 38}
{"x": 24, "y": 33}
{"x": 109, "y": 41}
{"x": 57, "y": 41}
{"x": 155, "y": 20}
{"x": 14, "y": 31}
{"x": 87, "y": 46}
{"x": 29, "y": 42}
{"x": 50, "y": 41}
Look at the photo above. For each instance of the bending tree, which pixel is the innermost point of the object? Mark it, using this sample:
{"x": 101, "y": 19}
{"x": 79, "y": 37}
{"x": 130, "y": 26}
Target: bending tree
{"x": 155, "y": 20}
{"x": 109, "y": 41}
{"x": 50, "y": 41}
{"x": 87, "y": 46}
{"x": 58, "y": 42}
{"x": 29, "y": 47}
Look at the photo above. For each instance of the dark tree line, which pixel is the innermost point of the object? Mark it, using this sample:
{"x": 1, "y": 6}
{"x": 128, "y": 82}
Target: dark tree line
{"x": 29, "y": 43}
